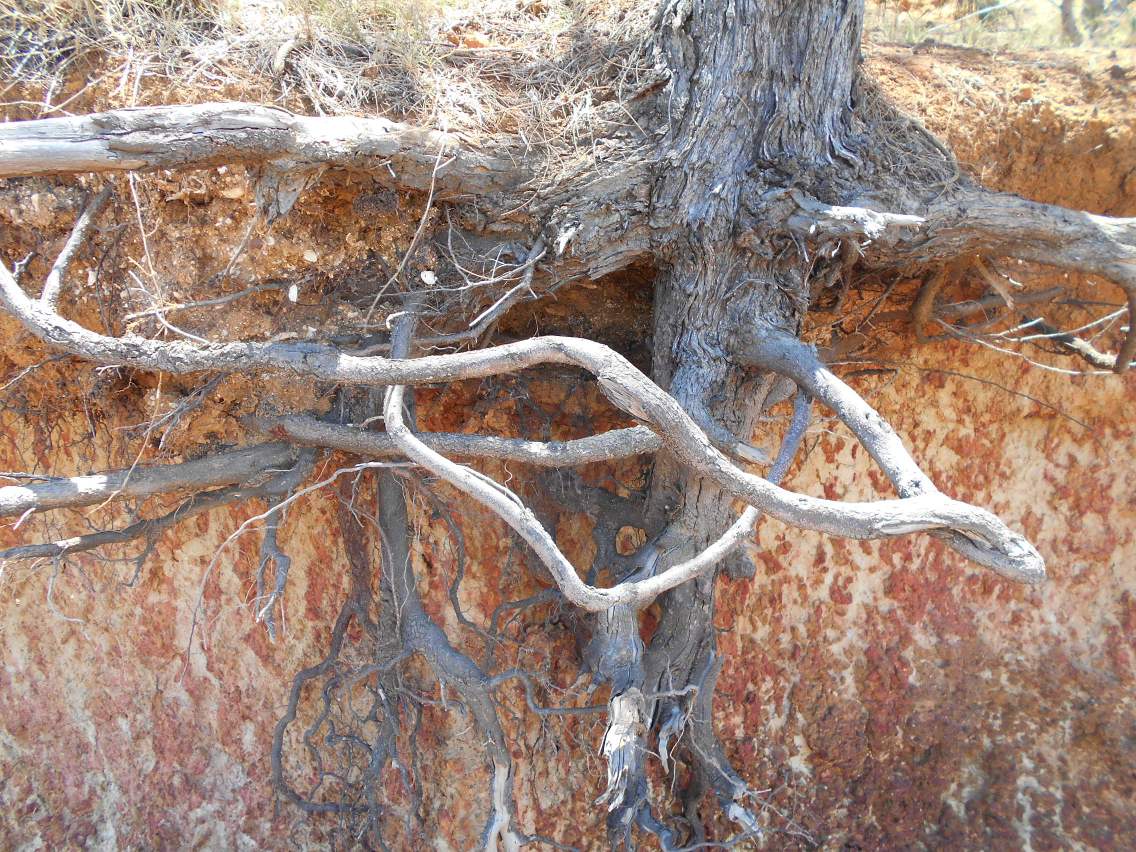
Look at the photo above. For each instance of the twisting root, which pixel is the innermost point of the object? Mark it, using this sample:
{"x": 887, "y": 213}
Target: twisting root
{"x": 420, "y": 634}
{"x": 991, "y": 542}
{"x": 710, "y": 767}
{"x": 682, "y": 664}
{"x": 670, "y": 685}
{"x": 401, "y": 630}
{"x": 772, "y": 349}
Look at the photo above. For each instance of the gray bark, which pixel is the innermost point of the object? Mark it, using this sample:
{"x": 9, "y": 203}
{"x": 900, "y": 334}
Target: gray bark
{"x": 626, "y": 386}
{"x": 617, "y": 443}
{"x": 242, "y": 465}
{"x": 197, "y": 136}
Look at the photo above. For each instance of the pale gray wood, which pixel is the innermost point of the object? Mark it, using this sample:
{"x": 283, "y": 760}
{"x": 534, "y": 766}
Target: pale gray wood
{"x": 214, "y": 134}
{"x": 224, "y": 468}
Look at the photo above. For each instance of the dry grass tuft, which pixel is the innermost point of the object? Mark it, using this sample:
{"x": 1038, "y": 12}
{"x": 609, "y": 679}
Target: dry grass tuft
{"x": 539, "y": 67}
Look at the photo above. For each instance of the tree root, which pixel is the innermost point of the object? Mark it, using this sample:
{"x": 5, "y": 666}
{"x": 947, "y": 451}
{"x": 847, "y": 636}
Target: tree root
{"x": 681, "y": 665}
{"x": 149, "y": 529}
{"x": 402, "y": 629}
{"x": 421, "y": 635}
{"x": 201, "y": 135}
{"x": 773, "y": 349}
{"x": 617, "y": 443}
{"x": 973, "y": 221}
{"x": 667, "y": 687}
{"x": 244, "y": 465}
{"x": 625, "y": 385}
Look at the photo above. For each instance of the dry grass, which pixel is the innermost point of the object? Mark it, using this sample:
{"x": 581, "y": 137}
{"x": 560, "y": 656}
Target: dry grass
{"x": 995, "y": 24}
{"x": 540, "y": 67}
{"x": 550, "y": 70}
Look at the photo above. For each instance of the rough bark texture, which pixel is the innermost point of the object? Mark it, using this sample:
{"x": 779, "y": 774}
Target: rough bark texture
{"x": 750, "y": 97}
{"x": 219, "y": 134}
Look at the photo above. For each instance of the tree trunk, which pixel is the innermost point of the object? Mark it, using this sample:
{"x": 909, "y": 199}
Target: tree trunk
{"x": 754, "y": 103}
{"x": 1069, "y": 22}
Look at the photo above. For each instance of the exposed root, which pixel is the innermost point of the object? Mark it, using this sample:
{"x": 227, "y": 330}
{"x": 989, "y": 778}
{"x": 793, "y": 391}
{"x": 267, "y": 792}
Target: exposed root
{"x": 54, "y": 281}
{"x": 148, "y": 529}
{"x": 203, "y": 135}
{"x": 1072, "y": 344}
{"x": 679, "y": 670}
{"x": 667, "y": 687}
{"x": 402, "y": 629}
{"x": 625, "y": 385}
{"x": 361, "y": 807}
{"x": 623, "y": 747}
{"x": 923, "y": 307}
{"x": 617, "y": 443}
{"x": 710, "y": 765}
{"x": 244, "y": 465}
{"x": 270, "y": 552}
{"x": 773, "y": 349}
{"x": 970, "y": 221}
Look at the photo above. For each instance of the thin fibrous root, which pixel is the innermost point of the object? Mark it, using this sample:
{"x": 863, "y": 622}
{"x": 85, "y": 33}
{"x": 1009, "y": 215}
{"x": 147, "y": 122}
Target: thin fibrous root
{"x": 151, "y": 528}
{"x": 420, "y": 634}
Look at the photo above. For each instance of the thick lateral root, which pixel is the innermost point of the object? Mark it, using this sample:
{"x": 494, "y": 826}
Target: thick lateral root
{"x": 624, "y": 384}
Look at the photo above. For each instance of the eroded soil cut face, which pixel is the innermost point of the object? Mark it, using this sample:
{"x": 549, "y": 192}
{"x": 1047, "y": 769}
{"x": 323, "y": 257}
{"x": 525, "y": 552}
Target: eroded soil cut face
{"x": 885, "y": 694}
